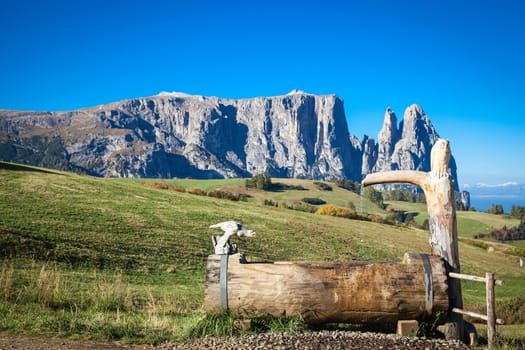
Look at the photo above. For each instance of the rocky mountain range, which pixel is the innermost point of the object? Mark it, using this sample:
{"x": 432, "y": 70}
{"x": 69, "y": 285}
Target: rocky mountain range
{"x": 171, "y": 135}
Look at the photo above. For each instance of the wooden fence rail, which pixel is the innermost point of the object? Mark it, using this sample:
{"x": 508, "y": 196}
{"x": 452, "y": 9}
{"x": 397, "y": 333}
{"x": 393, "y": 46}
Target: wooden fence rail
{"x": 490, "y": 317}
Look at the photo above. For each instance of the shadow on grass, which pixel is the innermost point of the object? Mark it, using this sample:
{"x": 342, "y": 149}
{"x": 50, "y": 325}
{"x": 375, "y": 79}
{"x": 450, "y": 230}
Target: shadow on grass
{"x": 280, "y": 187}
{"x": 21, "y": 167}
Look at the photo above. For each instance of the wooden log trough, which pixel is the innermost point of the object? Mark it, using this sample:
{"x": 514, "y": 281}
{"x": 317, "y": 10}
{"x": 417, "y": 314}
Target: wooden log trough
{"x": 328, "y": 292}
{"x": 352, "y": 292}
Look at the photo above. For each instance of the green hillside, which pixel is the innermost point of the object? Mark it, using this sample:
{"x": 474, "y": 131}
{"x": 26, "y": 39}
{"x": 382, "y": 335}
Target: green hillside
{"x": 125, "y": 258}
{"x": 469, "y": 222}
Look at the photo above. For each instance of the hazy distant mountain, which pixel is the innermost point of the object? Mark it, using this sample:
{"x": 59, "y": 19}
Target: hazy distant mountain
{"x": 178, "y": 135}
{"x": 509, "y": 193}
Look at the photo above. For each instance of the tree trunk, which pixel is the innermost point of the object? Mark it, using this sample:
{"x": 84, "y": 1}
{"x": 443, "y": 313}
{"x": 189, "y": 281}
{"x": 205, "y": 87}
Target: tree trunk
{"x": 439, "y": 193}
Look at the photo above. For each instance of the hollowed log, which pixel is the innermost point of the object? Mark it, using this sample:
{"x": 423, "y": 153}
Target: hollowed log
{"x": 328, "y": 292}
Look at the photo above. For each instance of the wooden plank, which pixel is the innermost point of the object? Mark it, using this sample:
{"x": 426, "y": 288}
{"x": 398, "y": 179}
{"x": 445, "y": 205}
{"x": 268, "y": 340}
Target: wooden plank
{"x": 466, "y": 277}
{"x": 474, "y": 278}
{"x": 356, "y": 292}
{"x": 476, "y": 315}
{"x": 491, "y": 310}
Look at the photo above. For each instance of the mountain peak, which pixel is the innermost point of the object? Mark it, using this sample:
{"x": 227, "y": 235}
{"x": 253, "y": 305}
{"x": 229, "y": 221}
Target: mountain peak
{"x": 174, "y": 94}
{"x": 413, "y": 111}
{"x": 297, "y": 92}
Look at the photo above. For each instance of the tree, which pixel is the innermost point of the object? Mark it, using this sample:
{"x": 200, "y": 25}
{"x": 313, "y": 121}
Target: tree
{"x": 349, "y": 185}
{"x": 521, "y": 228}
{"x": 517, "y": 211}
{"x": 496, "y": 209}
{"x": 374, "y": 196}
{"x": 259, "y": 181}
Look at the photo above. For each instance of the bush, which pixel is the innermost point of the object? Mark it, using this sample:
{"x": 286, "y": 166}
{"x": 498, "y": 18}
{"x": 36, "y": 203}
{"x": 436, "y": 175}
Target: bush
{"x": 378, "y": 219}
{"x": 157, "y": 185}
{"x": 496, "y": 209}
{"x": 518, "y": 212}
{"x": 244, "y": 197}
{"x": 349, "y": 185}
{"x": 348, "y": 213}
{"x": 301, "y": 206}
{"x": 178, "y": 189}
{"x": 270, "y": 203}
{"x": 259, "y": 181}
{"x": 374, "y": 196}
{"x": 509, "y": 234}
{"x": 333, "y": 210}
{"x": 401, "y": 216}
{"x": 223, "y": 195}
{"x": 512, "y": 310}
{"x": 196, "y": 191}
{"x": 163, "y": 186}
{"x": 314, "y": 201}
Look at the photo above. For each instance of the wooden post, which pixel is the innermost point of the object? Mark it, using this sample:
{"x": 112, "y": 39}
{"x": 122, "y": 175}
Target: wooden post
{"x": 439, "y": 192}
{"x": 491, "y": 312}
{"x": 329, "y": 292}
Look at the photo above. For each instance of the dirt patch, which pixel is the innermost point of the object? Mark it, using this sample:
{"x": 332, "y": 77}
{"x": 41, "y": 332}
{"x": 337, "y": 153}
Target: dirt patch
{"x": 43, "y": 343}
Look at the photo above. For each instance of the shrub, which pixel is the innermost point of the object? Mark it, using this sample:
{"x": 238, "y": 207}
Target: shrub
{"x": 374, "y": 196}
{"x": 157, "y": 185}
{"x": 496, "y": 209}
{"x": 333, "y": 210}
{"x": 507, "y": 234}
{"x": 518, "y": 212}
{"x": 349, "y": 185}
{"x": 314, "y": 201}
{"x": 259, "y": 181}
{"x": 223, "y": 195}
{"x": 348, "y": 213}
{"x": 244, "y": 197}
{"x": 197, "y": 191}
{"x": 378, "y": 219}
{"x": 178, "y": 189}
{"x": 399, "y": 216}
{"x": 512, "y": 310}
{"x": 163, "y": 186}
{"x": 301, "y": 206}
{"x": 270, "y": 203}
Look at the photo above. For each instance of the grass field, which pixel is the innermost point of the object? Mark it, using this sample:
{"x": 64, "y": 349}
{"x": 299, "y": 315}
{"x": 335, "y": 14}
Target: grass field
{"x": 115, "y": 259}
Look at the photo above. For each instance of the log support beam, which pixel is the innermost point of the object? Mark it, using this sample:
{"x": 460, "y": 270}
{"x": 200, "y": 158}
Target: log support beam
{"x": 439, "y": 193}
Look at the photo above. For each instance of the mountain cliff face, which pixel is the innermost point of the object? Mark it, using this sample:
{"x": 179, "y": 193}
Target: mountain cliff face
{"x": 177, "y": 135}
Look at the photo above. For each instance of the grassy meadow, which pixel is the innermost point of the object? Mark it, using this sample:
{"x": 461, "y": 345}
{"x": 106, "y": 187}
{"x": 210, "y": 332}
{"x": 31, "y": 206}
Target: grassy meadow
{"x": 86, "y": 257}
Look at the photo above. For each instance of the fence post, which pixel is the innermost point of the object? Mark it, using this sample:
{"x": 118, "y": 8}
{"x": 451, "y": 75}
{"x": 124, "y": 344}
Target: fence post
{"x": 491, "y": 312}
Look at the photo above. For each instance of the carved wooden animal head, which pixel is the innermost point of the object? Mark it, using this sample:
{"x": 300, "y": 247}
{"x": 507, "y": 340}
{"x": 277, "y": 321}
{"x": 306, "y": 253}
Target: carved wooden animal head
{"x": 439, "y": 158}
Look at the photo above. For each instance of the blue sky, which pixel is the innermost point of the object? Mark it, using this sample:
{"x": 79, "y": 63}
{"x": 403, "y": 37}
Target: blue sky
{"x": 462, "y": 61}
